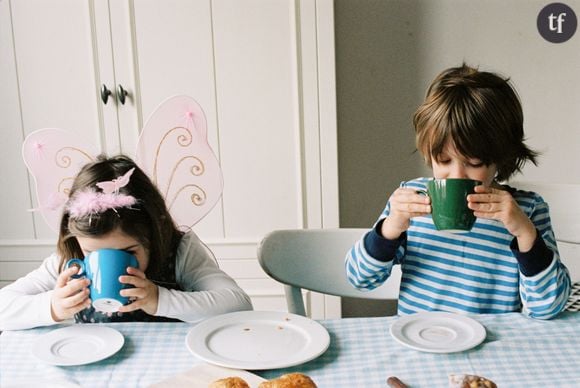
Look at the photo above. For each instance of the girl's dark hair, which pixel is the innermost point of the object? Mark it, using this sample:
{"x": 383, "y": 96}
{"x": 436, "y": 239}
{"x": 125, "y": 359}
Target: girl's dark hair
{"x": 148, "y": 221}
{"x": 480, "y": 113}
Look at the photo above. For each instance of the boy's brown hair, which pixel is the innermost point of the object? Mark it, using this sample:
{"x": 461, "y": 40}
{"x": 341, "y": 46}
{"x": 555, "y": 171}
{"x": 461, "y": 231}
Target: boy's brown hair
{"x": 480, "y": 114}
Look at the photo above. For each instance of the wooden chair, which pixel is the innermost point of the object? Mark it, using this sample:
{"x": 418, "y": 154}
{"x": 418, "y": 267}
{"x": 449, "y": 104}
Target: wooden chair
{"x": 313, "y": 259}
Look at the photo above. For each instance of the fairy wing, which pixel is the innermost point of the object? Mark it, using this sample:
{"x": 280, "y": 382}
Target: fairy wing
{"x": 174, "y": 151}
{"x": 54, "y": 157}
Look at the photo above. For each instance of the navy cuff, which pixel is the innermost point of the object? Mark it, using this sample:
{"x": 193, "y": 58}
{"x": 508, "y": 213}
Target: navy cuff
{"x": 536, "y": 259}
{"x": 379, "y": 247}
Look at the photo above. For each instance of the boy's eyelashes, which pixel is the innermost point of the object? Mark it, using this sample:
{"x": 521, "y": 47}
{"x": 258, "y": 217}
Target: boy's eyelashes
{"x": 473, "y": 163}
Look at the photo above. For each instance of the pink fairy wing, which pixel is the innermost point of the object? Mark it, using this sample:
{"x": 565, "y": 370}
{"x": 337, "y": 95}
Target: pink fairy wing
{"x": 54, "y": 157}
{"x": 174, "y": 151}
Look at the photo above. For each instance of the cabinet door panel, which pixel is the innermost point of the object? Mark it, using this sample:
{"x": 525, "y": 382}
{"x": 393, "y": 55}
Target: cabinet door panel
{"x": 174, "y": 54}
{"x": 113, "y": 39}
{"x": 56, "y": 70}
{"x": 259, "y": 115}
{"x": 14, "y": 196}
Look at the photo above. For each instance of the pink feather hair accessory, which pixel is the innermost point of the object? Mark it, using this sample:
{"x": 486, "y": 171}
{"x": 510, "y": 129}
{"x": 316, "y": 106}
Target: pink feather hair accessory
{"x": 89, "y": 202}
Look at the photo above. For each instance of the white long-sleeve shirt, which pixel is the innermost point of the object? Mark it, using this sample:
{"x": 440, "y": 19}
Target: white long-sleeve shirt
{"x": 208, "y": 291}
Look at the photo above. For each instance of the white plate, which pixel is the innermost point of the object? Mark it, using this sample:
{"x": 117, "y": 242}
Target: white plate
{"x": 438, "y": 332}
{"x": 257, "y": 340}
{"x": 78, "y": 345}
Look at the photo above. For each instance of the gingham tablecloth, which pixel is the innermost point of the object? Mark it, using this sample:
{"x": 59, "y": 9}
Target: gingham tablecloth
{"x": 518, "y": 352}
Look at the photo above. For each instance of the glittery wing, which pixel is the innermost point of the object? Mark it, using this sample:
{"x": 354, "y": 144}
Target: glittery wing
{"x": 174, "y": 151}
{"x": 54, "y": 157}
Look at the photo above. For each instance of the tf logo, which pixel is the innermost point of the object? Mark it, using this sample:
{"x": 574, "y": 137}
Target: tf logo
{"x": 557, "y": 22}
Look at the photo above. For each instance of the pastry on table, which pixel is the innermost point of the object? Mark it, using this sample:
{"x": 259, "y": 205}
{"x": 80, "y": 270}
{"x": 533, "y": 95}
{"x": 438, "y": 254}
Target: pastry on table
{"x": 229, "y": 382}
{"x": 470, "y": 381}
{"x": 290, "y": 380}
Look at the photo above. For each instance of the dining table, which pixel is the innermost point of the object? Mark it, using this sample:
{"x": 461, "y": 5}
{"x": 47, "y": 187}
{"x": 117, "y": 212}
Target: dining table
{"x": 517, "y": 351}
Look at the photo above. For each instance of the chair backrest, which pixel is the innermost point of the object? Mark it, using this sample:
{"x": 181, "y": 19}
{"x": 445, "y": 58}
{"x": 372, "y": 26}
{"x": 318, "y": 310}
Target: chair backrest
{"x": 564, "y": 203}
{"x": 313, "y": 259}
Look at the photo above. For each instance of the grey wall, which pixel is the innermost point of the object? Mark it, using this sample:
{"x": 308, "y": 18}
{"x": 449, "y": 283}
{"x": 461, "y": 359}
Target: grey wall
{"x": 387, "y": 53}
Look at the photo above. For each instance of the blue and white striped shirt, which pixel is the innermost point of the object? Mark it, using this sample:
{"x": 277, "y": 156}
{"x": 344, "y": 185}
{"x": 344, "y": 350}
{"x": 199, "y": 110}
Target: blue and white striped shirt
{"x": 481, "y": 271}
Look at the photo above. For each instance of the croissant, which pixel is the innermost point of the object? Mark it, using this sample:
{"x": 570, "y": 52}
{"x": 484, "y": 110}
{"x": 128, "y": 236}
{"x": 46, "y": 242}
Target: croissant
{"x": 290, "y": 380}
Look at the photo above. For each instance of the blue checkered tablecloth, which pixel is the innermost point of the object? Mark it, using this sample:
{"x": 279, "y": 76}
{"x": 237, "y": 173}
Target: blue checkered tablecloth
{"x": 518, "y": 352}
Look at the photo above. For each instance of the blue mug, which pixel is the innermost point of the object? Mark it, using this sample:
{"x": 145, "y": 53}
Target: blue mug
{"x": 103, "y": 267}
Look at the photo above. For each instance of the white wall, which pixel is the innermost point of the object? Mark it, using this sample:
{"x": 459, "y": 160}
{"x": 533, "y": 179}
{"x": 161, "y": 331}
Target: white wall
{"x": 502, "y": 36}
{"x": 389, "y": 51}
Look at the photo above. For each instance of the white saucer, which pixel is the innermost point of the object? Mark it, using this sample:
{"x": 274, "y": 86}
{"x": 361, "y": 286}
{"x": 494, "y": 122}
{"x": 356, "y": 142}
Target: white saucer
{"x": 438, "y": 332}
{"x": 77, "y": 345}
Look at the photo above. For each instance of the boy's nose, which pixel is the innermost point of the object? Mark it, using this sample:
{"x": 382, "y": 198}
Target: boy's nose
{"x": 458, "y": 171}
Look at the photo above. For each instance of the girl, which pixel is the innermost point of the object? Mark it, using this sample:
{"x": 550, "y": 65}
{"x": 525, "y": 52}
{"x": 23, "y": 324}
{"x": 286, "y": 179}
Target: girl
{"x": 177, "y": 279}
{"x": 469, "y": 126}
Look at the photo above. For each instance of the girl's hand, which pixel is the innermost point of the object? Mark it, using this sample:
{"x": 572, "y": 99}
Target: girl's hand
{"x": 145, "y": 295}
{"x": 496, "y": 204}
{"x": 405, "y": 204}
{"x": 69, "y": 296}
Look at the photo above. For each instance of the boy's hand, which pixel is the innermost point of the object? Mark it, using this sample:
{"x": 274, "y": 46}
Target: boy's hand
{"x": 145, "y": 295}
{"x": 496, "y": 204}
{"x": 69, "y": 296}
{"x": 405, "y": 203}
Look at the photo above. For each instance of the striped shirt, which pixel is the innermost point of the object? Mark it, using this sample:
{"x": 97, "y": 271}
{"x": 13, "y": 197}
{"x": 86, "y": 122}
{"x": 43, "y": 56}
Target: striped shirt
{"x": 481, "y": 271}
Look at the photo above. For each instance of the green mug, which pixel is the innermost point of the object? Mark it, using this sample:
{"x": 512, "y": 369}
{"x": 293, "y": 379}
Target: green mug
{"x": 449, "y": 203}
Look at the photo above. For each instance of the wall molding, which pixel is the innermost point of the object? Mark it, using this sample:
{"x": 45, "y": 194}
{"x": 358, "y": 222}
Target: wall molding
{"x": 37, "y": 250}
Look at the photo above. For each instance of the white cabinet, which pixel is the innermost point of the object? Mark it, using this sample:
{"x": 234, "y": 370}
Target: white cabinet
{"x": 263, "y": 70}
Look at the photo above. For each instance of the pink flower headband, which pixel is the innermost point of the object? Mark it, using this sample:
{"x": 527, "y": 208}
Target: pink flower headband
{"x": 90, "y": 201}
